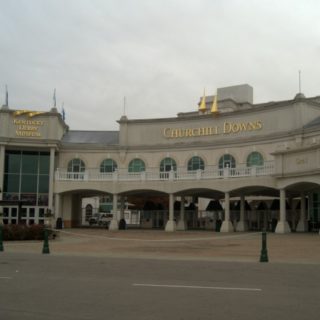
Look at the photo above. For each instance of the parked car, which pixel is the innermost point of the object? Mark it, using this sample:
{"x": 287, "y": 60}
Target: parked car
{"x": 101, "y": 219}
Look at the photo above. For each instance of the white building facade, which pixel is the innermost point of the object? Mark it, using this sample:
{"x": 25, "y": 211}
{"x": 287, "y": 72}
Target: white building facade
{"x": 230, "y": 151}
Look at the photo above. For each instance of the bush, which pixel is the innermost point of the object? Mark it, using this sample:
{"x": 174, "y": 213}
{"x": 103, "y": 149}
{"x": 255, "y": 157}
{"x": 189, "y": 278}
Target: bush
{"x": 23, "y": 232}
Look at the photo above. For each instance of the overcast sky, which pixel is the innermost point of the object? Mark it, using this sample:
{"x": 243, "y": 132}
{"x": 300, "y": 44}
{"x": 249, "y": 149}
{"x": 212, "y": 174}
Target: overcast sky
{"x": 160, "y": 54}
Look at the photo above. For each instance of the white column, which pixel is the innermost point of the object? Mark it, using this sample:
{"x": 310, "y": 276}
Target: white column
{"x": 2, "y": 153}
{"x": 114, "y": 224}
{"x": 181, "y": 226}
{"x": 121, "y": 207}
{"x": 282, "y": 225}
{"x": 226, "y": 224}
{"x": 302, "y": 224}
{"x": 171, "y": 224}
{"x": 242, "y": 224}
{"x": 51, "y": 175}
{"x": 57, "y": 206}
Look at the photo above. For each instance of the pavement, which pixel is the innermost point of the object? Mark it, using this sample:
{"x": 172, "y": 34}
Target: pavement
{"x": 97, "y": 274}
{"x": 190, "y": 245}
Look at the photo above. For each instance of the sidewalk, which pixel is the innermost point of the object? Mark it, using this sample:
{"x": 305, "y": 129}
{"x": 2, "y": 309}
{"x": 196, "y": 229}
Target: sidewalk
{"x": 189, "y": 245}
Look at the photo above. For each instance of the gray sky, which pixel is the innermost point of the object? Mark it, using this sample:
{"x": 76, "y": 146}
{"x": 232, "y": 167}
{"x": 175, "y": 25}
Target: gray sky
{"x": 160, "y": 54}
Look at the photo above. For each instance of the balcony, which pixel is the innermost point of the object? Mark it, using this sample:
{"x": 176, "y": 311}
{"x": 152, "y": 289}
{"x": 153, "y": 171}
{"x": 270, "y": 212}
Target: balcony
{"x": 153, "y": 174}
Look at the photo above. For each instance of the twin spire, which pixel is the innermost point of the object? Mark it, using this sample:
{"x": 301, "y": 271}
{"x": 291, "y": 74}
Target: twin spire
{"x": 203, "y": 105}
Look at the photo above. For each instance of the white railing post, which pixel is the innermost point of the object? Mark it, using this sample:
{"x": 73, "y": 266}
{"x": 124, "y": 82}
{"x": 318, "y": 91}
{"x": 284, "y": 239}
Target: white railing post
{"x": 115, "y": 175}
{"x": 171, "y": 175}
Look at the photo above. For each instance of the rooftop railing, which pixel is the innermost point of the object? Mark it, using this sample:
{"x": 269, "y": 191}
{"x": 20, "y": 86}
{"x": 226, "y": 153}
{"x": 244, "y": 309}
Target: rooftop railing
{"x": 154, "y": 174}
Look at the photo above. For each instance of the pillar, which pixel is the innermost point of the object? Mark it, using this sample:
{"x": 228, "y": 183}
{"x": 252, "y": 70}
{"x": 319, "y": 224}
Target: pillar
{"x": 122, "y": 205}
{"x": 114, "y": 224}
{"x": 282, "y": 225}
{"x": 171, "y": 224}
{"x": 51, "y": 175}
{"x": 242, "y": 224}
{"x": 226, "y": 224}
{"x": 57, "y": 206}
{"x": 302, "y": 224}
{"x": 2, "y": 157}
{"x": 181, "y": 226}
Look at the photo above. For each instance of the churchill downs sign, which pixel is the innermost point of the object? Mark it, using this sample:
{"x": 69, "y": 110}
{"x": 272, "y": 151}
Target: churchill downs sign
{"x": 227, "y": 128}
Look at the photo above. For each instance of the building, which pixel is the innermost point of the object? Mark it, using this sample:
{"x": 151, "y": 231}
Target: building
{"x": 231, "y": 151}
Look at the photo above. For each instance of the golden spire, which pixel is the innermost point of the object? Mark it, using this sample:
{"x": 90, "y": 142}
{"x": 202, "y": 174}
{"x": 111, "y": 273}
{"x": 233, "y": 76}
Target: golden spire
{"x": 202, "y": 106}
{"x": 214, "y": 107}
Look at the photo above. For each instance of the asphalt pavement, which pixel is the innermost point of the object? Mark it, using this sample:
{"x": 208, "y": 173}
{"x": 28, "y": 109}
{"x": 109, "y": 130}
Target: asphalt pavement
{"x": 158, "y": 276}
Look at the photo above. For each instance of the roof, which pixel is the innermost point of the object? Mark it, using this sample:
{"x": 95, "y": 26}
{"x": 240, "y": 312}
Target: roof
{"x": 91, "y": 137}
{"x": 313, "y": 123}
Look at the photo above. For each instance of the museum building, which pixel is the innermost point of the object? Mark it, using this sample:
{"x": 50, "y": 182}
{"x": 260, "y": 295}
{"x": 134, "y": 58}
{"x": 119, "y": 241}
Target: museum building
{"x": 256, "y": 165}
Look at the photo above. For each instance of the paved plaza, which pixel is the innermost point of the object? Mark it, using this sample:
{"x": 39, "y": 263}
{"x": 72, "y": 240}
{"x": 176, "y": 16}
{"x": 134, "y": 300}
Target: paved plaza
{"x": 194, "y": 245}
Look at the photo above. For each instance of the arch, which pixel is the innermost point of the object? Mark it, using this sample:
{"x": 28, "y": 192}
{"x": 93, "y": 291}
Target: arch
{"x": 136, "y": 165}
{"x": 76, "y": 165}
{"x": 255, "y": 158}
{"x": 227, "y": 161}
{"x": 195, "y": 163}
{"x": 168, "y": 164}
{"x": 108, "y": 165}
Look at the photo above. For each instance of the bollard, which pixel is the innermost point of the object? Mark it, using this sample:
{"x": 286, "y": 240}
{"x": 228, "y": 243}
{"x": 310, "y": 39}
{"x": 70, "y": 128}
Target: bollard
{"x": 45, "y": 248}
{"x": 264, "y": 251}
{"x": 1, "y": 236}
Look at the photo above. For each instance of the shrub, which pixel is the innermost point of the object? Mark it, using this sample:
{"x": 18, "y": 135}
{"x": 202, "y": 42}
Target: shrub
{"x": 23, "y": 232}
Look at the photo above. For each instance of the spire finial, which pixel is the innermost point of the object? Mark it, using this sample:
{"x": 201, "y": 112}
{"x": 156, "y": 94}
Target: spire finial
{"x": 202, "y": 106}
{"x": 54, "y": 98}
{"x": 7, "y": 97}
{"x": 299, "y": 81}
{"x": 63, "y": 113}
{"x": 124, "y": 105}
{"x": 214, "y": 108}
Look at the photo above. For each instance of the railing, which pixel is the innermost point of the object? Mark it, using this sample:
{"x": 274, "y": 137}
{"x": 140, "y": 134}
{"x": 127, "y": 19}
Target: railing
{"x": 210, "y": 172}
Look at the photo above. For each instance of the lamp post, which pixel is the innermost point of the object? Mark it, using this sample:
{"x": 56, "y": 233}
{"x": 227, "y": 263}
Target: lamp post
{"x": 47, "y": 225}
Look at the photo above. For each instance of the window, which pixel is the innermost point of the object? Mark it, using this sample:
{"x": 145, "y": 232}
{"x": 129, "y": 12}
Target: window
{"x": 26, "y": 176}
{"x": 136, "y": 165}
{"x": 254, "y": 159}
{"x": 76, "y": 165}
{"x": 227, "y": 161}
{"x": 108, "y": 165}
{"x": 168, "y": 164}
{"x": 195, "y": 163}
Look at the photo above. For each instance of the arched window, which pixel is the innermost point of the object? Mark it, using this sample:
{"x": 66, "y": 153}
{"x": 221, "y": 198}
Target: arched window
{"x": 76, "y": 165}
{"x": 108, "y": 165}
{"x": 168, "y": 164}
{"x": 195, "y": 163}
{"x": 227, "y": 161}
{"x": 255, "y": 159}
{"x": 89, "y": 210}
{"x": 136, "y": 165}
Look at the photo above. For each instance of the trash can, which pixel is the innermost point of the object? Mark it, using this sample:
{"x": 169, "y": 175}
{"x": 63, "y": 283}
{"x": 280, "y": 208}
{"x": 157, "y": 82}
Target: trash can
{"x": 59, "y": 223}
{"x": 218, "y": 225}
{"x": 122, "y": 224}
